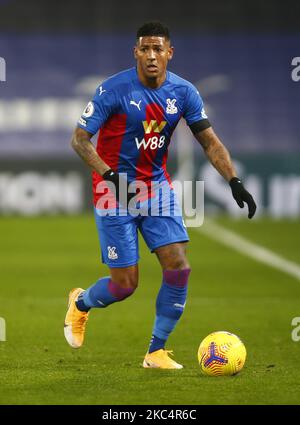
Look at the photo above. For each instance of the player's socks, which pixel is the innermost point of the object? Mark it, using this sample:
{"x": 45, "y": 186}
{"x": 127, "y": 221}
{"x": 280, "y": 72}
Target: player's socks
{"x": 170, "y": 304}
{"x": 80, "y": 303}
{"x": 156, "y": 344}
{"x": 103, "y": 293}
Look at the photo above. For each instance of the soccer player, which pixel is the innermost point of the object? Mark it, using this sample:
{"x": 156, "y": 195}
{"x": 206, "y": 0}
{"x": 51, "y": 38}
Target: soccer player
{"x": 136, "y": 112}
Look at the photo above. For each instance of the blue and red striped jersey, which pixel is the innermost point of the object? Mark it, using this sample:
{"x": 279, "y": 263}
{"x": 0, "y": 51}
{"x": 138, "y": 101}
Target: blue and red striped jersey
{"x": 136, "y": 122}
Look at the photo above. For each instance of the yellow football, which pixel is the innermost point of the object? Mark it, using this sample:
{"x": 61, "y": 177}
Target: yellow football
{"x": 221, "y": 353}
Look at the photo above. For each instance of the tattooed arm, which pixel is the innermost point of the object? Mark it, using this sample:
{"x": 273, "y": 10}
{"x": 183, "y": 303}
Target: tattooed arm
{"x": 220, "y": 159}
{"x": 81, "y": 143}
{"x": 216, "y": 152}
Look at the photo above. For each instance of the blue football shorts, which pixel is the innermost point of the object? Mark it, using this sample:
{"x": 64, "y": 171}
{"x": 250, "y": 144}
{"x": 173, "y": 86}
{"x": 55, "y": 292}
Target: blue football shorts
{"x": 118, "y": 235}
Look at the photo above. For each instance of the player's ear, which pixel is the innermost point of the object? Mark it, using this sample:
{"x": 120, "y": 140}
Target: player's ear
{"x": 170, "y": 52}
{"x": 135, "y": 52}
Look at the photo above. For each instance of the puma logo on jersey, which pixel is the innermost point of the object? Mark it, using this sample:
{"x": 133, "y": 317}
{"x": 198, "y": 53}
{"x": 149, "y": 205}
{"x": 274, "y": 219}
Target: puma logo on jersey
{"x": 132, "y": 102}
{"x": 101, "y": 90}
{"x": 153, "y": 126}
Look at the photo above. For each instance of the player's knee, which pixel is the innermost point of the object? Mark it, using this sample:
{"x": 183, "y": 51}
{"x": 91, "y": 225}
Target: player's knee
{"x": 119, "y": 290}
{"x": 126, "y": 278}
{"x": 128, "y": 281}
{"x": 180, "y": 263}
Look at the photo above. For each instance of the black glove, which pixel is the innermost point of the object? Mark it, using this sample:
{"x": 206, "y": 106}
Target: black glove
{"x": 114, "y": 177}
{"x": 241, "y": 195}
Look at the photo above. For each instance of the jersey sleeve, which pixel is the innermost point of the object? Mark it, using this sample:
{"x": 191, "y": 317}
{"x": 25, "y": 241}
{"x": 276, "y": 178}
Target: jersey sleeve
{"x": 194, "y": 112}
{"x": 98, "y": 110}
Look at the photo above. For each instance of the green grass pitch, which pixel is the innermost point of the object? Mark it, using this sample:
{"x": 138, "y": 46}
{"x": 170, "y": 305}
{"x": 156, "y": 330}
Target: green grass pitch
{"x": 41, "y": 259}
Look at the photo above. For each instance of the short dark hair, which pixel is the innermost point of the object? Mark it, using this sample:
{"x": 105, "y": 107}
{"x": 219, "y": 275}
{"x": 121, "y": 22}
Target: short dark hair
{"x": 153, "y": 29}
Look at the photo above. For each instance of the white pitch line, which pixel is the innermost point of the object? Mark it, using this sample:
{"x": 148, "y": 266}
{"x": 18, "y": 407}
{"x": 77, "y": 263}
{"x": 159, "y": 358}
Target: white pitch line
{"x": 251, "y": 249}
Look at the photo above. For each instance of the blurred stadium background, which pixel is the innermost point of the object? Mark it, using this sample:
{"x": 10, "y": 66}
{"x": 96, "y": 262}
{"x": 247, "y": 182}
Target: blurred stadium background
{"x": 239, "y": 54}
